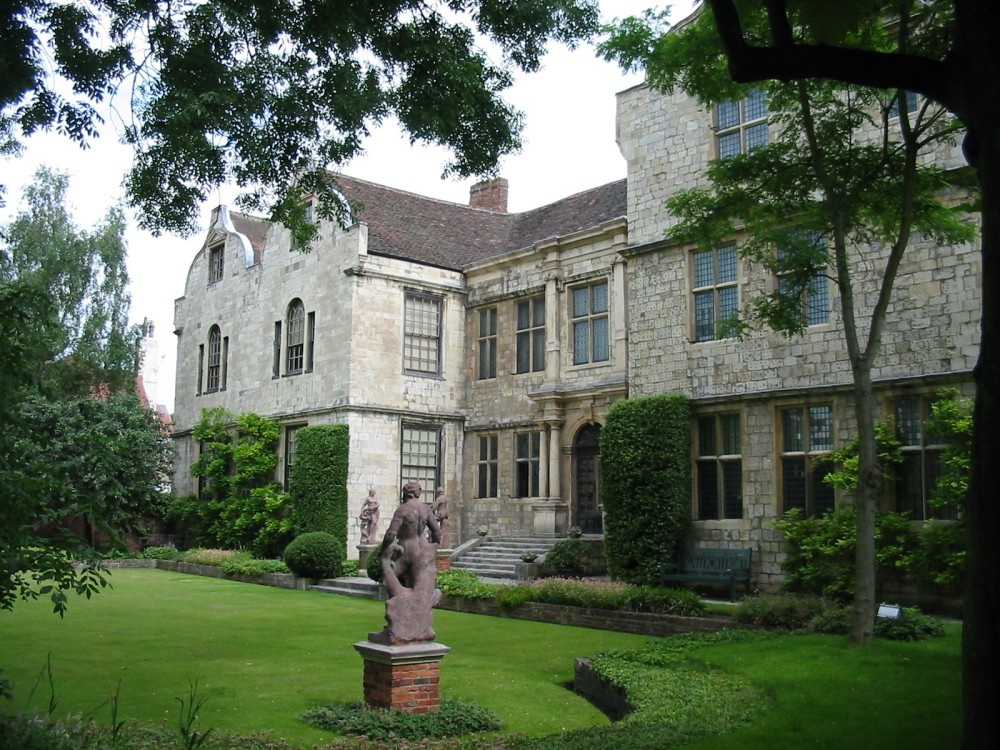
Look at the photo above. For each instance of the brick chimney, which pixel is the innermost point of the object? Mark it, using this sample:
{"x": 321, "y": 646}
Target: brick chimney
{"x": 490, "y": 195}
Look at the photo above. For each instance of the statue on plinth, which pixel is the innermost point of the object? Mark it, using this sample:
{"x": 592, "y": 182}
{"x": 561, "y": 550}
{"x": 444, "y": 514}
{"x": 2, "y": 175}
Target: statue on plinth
{"x": 440, "y": 510}
{"x": 409, "y": 570}
{"x": 369, "y": 519}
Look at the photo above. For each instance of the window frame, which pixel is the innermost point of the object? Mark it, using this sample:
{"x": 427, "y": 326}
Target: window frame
{"x": 742, "y": 124}
{"x": 216, "y": 262}
{"x": 213, "y": 372}
{"x": 813, "y": 459}
{"x": 715, "y": 461}
{"x": 717, "y": 290}
{"x": 530, "y": 335}
{"x": 289, "y": 453}
{"x": 527, "y": 463}
{"x": 486, "y": 344}
{"x": 422, "y": 347}
{"x": 487, "y": 466}
{"x": 415, "y": 469}
{"x": 295, "y": 337}
{"x": 928, "y": 451}
{"x": 816, "y": 307}
{"x": 590, "y": 322}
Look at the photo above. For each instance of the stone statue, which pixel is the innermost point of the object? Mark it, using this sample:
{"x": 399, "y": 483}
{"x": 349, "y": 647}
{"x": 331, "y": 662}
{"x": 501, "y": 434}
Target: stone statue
{"x": 440, "y": 509}
{"x": 409, "y": 570}
{"x": 369, "y": 519}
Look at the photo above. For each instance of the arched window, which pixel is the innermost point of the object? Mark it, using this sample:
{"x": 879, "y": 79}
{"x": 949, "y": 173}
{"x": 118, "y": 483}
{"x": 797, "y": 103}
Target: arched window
{"x": 295, "y": 342}
{"x": 214, "y": 379}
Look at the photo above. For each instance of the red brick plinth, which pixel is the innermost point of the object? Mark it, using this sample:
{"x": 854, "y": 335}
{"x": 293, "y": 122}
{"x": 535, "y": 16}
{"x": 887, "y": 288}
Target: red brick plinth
{"x": 405, "y": 677}
{"x": 443, "y": 559}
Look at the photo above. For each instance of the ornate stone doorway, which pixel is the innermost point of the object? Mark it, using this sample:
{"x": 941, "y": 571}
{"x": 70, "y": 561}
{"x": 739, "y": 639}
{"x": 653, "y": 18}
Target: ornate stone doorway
{"x": 587, "y": 480}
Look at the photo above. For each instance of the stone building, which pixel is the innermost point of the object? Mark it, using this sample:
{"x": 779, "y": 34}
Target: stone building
{"x": 479, "y": 350}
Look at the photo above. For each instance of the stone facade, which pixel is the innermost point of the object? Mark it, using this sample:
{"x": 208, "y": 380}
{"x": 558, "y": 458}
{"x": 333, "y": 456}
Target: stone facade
{"x": 543, "y": 320}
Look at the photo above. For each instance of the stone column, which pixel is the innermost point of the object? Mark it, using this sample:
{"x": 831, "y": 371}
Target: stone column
{"x": 555, "y": 482}
{"x": 543, "y": 463}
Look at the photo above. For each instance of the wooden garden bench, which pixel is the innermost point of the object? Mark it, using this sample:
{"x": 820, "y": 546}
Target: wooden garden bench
{"x": 700, "y": 565}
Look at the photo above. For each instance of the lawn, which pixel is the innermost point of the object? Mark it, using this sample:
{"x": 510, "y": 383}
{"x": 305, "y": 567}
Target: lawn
{"x": 261, "y": 656}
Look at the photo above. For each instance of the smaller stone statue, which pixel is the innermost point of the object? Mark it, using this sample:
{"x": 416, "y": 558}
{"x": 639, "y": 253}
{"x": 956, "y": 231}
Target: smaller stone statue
{"x": 440, "y": 510}
{"x": 369, "y": 519}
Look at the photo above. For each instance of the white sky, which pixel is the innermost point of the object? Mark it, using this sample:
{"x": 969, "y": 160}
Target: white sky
{"x": 569, "y": 146}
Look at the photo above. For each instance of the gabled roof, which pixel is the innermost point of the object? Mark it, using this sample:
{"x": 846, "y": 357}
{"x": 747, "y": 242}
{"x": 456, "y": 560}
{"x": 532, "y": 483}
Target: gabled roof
{"x": 451, "y": 235}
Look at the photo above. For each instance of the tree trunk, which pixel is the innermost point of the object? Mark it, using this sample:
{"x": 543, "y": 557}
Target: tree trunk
{"x": 869, "y": 484}
{"x": 981, "y": 630}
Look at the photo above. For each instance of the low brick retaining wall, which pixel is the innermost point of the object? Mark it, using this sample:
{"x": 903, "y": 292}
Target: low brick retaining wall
{"x": 639, "y": 623}
{"x": 280, "y": 580}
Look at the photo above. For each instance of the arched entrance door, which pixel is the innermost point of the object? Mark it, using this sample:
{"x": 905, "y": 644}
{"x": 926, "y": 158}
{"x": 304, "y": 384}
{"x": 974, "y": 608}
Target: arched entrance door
{"x": 587, "y": 452}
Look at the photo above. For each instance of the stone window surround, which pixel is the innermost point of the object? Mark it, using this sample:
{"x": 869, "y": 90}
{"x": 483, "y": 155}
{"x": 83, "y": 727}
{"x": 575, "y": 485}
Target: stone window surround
{"x": 422, "y": 333}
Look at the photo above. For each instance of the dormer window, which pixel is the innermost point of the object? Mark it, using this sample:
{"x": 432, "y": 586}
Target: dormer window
{"x": 216, "y": 262}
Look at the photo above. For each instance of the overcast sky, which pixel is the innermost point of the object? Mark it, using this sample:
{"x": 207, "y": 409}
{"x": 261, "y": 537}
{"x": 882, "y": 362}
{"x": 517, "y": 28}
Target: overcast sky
{"x": 569, "y": 146}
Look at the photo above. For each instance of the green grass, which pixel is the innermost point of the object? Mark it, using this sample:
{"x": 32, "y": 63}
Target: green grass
{"x": 261, "y": 656}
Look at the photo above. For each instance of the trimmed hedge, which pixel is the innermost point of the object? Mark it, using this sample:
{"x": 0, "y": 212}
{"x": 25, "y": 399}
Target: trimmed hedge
{"x": 319, "y": 480}
{"x": 645, "y": 485}
{"x": 315, "y": 554}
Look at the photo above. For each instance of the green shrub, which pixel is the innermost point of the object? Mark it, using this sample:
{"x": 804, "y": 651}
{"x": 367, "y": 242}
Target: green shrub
{"x": 165, "y": 552}
{"x": 349, "y": 568}
{"x": 450, "y": 720}
{"x": 374, "y": 565}
{"x": 216, "y": 557}
{"x": 253, "y": 567}
{"x": 779, "y": 611}
{"x": 318, "y": 481}
{"x": 315, "y": 554}
{"x": 465, "y": 585}
{"x": 645, "y": 484}
{"x": 616, "y": 596}
{"x": 569, "y": 555}
{"x": 912, "y": 626}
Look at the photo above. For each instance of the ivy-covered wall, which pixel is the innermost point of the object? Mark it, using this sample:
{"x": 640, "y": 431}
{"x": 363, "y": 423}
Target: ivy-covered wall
{"x": 319, "y": 480}
{"x": 645, "y": 484}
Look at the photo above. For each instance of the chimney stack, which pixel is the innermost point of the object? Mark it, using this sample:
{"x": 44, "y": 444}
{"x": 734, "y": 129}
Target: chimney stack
{"x": 489, "y": 195}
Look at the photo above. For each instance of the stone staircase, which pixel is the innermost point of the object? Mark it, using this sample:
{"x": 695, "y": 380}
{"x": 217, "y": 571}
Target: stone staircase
{"x": 495, "y": 557}
{"x": 492, "y": 559}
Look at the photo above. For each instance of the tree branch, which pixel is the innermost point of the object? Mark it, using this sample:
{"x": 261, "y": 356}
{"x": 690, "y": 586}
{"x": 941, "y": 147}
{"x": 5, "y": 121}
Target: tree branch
{"x": 784, "y": 62}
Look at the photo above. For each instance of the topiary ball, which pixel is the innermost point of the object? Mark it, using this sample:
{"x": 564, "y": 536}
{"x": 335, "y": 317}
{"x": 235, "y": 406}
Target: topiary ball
{"x": 315, "y": 554}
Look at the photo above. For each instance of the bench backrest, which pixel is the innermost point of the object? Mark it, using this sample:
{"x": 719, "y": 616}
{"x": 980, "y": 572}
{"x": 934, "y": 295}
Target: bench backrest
{"x": 700, "y": 560}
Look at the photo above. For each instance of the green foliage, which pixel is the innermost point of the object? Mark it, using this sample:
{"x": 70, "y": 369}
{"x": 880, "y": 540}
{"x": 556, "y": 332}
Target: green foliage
{"x": 463, "y": 584}
{"x": 784, "y": 611}
{"x": 684, "y": 697}
{"x": 373, "y": 568}
{"x": 819, "y": 551}
{"x": 241, "y": 504}
{"x": 615, "y": 596}
{"x": 83, "y": 341}
{"x": 218, "y": 90}
{"x": 319, "y": 480}
{"x": 569, "y": 555}
{"x": 913, "y": 626}
{"x": 645, "y": 484}
{"x": 159, "y": 553}
{"x": 349, "y": 568}
{"x": 248, "y": 566}
{"x": 64, "y": 335}
{"x": 846, "y": 457}
{"x": 951, "y": 423}
{"x": 453, "y": 718}
{"x": 315, "y": 554}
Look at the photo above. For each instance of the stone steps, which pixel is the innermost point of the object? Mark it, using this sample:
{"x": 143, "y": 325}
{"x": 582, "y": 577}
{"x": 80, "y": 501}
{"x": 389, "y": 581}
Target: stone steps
{"x": 495, "y": 557}
{"x": 361, "y": 587}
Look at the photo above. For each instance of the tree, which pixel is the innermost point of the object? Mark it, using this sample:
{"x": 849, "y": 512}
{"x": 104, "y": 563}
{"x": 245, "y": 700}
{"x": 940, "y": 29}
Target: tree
{"x": 85, "y": 342}
{"x": 268, "y": 94}
{"x": 63, "y": 337}
{"x": 99, "y": 461}
{"x": 847, "y": 172}
{"x": 962, "y": 73}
